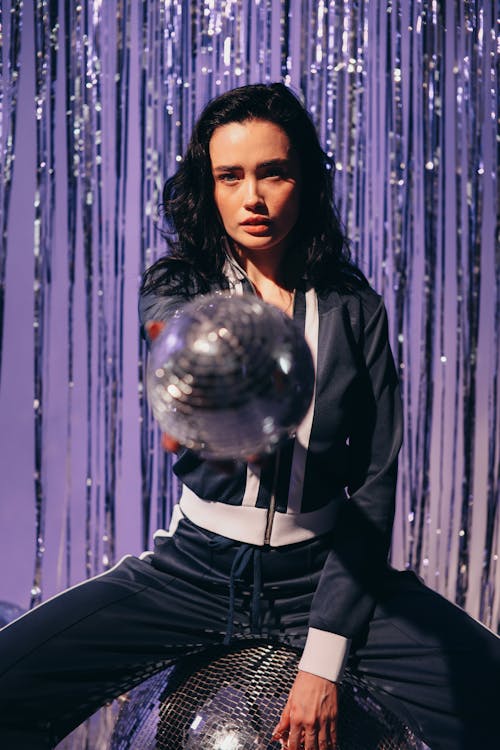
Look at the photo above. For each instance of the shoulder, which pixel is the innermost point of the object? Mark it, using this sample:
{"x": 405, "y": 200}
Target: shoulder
{"x": 358, "y": 306}
{"x": 168, "y": 275}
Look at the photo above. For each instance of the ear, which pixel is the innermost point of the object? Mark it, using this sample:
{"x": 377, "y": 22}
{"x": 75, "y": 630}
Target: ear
{"x": 154, "y": 328}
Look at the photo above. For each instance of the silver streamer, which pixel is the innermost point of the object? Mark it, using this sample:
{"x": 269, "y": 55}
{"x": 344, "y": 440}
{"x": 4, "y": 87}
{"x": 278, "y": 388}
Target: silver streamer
{"x": 404, "y": 95}
{"x": 10, "y": 42}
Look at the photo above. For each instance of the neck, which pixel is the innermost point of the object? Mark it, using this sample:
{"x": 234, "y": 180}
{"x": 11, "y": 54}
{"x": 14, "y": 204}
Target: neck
{"x": 267, "y": 268}
{"x": 272, "y": 280}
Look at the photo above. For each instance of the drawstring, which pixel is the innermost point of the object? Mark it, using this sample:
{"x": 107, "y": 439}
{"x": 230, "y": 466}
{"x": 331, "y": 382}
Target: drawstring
{"x": 257, "y": 588}
{"x": 245, "y": 554}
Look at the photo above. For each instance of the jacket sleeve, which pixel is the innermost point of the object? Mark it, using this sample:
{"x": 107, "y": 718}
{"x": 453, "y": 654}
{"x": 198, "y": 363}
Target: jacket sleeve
{"x": 158, "y": 307}
{"x": 350, "y": 580}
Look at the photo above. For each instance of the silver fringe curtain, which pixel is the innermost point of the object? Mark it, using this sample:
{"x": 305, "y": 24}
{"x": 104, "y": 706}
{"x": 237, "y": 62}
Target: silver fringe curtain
{"x": 98, "y": 100}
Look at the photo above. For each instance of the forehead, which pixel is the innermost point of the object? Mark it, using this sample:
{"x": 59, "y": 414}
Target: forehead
{"x": 248, "y": 141}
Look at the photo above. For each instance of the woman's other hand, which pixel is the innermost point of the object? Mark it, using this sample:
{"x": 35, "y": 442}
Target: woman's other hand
{"x": 309, "y": 719}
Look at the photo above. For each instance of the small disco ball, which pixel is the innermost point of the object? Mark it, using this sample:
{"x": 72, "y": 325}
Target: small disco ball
{"x": 233, "y": 699}
{"x": 230, "y": 376}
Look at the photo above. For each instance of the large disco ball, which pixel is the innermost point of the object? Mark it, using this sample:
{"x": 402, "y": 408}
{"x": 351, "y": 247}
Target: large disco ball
{"x": 230, "y": 376}
{"x": 232, "y": 700}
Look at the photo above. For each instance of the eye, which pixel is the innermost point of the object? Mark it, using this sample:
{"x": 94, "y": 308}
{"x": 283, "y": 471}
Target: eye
{"x": 275, "y": 172}
{"x": 227, "y": 177}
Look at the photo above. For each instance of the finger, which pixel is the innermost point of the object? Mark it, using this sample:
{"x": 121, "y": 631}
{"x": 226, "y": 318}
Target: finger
{"x": 325, "y": 741}
{"x": 330, "y": 735}
{"x": 154, "y": 328}
{"x": 259, "y": 459}
{"x": 283, "y": 725}
{"x": 169, "y": 443}
{"x": 256, "y": 459}
{"x": 310, "y": 739}
{"x": 295, "y": 738}
{"x": 283, "y": 740}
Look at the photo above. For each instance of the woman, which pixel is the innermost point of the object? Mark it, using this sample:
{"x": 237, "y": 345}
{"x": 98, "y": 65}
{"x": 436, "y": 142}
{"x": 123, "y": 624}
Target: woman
{"x": 275, "y": 549}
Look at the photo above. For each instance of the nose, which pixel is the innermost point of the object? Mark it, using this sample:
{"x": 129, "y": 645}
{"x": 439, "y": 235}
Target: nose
{"x": 252, "y": 197}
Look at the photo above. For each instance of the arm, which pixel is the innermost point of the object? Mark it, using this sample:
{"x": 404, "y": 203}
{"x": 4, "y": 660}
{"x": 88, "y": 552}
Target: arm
{"x": 348, "y": 587}
{"x": 349, "y": 583}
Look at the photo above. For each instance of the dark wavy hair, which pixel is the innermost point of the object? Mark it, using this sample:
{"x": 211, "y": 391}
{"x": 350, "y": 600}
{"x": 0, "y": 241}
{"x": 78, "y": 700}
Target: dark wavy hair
{"x": 194, "y": 232}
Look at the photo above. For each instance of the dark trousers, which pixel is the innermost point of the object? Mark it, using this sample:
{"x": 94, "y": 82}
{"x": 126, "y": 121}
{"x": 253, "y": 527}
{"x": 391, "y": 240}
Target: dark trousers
{"x": 62, "y": 661}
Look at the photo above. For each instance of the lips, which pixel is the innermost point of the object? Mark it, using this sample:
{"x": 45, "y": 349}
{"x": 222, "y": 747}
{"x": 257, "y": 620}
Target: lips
{"x": 256, "y": 221}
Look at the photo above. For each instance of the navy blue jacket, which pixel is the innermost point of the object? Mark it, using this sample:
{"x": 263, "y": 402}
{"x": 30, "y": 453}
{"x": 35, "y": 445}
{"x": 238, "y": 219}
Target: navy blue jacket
{"x": 337, "y": 475}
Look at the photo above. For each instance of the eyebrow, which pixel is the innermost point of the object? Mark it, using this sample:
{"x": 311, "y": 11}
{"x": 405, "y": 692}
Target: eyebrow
{"x": 268, "y": 163}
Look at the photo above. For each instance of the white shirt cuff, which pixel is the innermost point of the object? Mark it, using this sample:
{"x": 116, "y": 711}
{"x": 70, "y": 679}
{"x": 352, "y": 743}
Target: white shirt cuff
{"x": 325, "y": 654}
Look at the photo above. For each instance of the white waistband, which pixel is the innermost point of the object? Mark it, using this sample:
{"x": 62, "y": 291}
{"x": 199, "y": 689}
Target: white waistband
{"x": 248, "y": 524}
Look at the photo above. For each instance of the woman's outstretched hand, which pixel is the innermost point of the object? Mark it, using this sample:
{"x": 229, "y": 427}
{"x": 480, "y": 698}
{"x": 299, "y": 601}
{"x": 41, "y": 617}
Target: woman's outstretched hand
{"x": 309, "y": 719}
{"x": 169, "y": 443}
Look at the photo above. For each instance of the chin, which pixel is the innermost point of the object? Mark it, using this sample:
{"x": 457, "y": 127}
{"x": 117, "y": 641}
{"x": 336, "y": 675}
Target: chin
{"x": 257, "y": 244}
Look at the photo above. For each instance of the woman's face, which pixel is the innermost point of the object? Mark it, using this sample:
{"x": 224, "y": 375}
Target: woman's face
{"x": 257, "y": 184}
